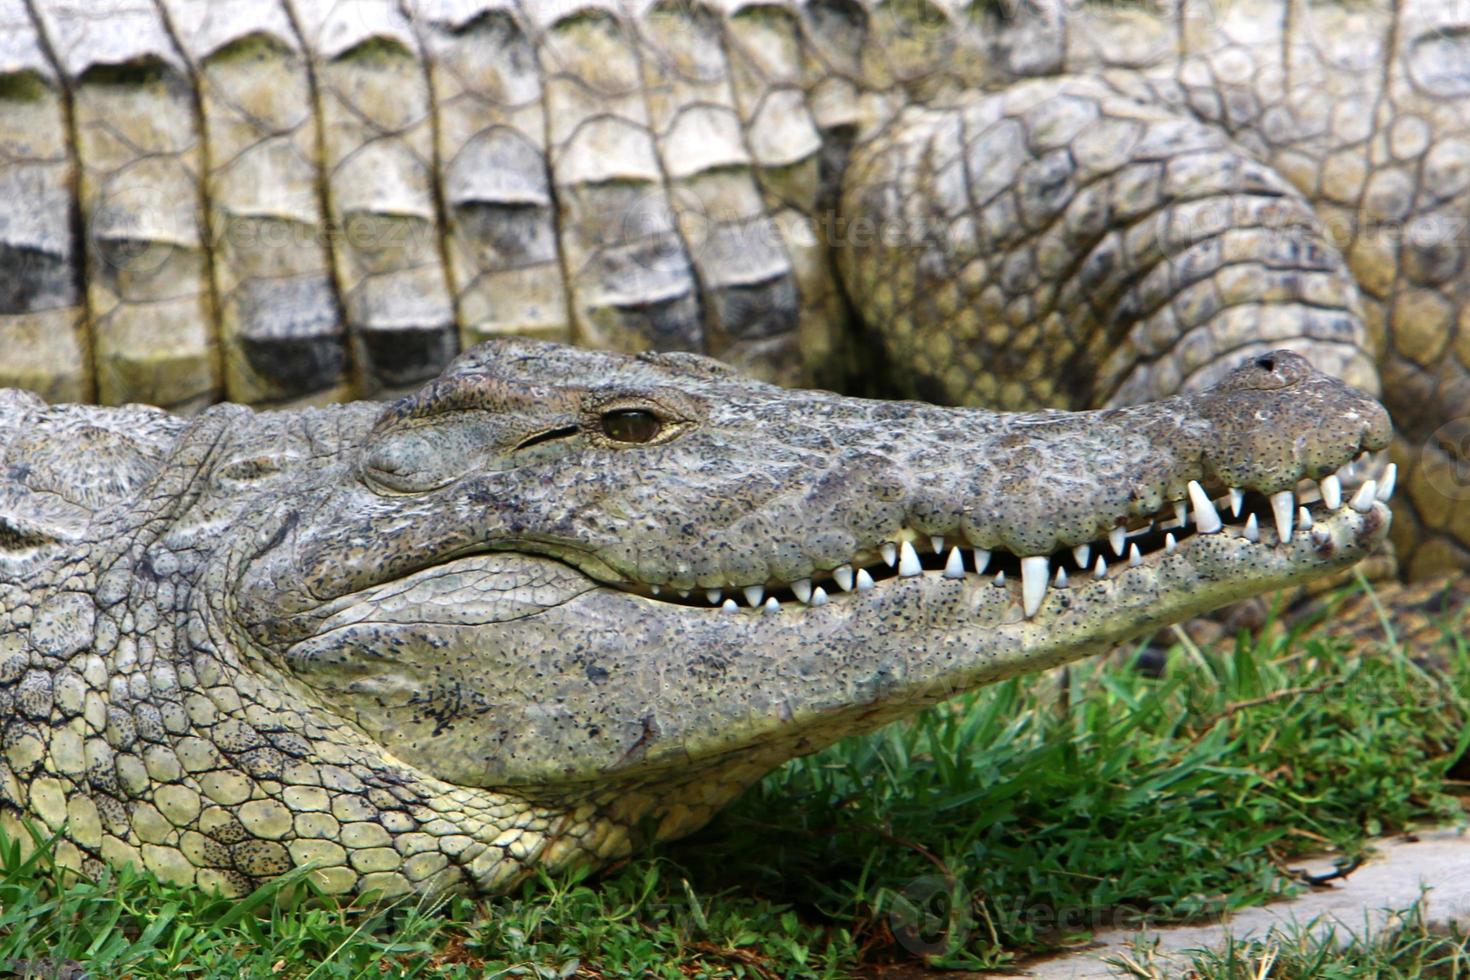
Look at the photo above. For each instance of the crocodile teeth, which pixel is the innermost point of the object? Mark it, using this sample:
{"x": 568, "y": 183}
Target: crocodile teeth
{"x": 1291, "y": 517}
{"x": 908, "y": 561}
{"x": 1205, "y": 514}
{"x": 1362, "y": 501}
{"x": 1386, "y": 484}
{"x": 1034, "y": 574}
{"x": 1283, "y": 505}
{"x": 1331, "y": 491}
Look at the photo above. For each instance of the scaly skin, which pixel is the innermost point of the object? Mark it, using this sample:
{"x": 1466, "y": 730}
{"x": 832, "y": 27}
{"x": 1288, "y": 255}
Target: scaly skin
{"x": 1007, "y": 204}
{"x": 438, "y": 644}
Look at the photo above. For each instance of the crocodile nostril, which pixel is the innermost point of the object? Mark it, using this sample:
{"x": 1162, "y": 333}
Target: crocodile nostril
{"x": 1266, "y": 362}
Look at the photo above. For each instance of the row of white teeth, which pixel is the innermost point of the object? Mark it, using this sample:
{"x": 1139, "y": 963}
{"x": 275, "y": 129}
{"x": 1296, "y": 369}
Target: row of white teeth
{"x": 1036, "y": 573}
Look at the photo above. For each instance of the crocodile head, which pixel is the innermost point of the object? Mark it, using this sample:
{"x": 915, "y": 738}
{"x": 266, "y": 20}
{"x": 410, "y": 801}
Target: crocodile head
{"x": 637, "y": 583}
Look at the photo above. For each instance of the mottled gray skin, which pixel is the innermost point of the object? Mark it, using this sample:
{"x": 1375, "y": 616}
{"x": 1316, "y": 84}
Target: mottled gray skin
{"x": 1015, "y": 204}
{"x": 440, "y": 643}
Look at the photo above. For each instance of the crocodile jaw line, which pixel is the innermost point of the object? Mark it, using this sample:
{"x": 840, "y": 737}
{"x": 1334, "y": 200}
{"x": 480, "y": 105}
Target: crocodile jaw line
{"x": 882, "y": 653}
{"x": 1147, "y": 547}
{"x": 798, "y": 676}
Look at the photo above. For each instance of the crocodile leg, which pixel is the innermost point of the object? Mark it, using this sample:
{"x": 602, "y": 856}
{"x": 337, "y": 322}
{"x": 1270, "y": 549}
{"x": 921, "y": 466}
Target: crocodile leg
{"x": 1057, "y": 244}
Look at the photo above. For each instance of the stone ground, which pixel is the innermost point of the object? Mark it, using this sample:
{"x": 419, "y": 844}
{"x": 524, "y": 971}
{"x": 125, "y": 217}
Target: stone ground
{"x": 1361, "y": 904}
{"x": 1433, "y": 863}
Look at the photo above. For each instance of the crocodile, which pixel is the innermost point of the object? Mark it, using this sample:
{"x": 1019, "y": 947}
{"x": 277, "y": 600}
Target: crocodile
{"x": 558, "y": 602}
{"x": 1012, "y": 204}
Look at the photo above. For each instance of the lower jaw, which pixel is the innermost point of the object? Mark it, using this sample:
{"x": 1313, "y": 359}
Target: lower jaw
{"x": 774, "y": 685}
{"x": 1204, "y": 573}
{"x": 809, "y": 675}
{"x": 929, "y": 638}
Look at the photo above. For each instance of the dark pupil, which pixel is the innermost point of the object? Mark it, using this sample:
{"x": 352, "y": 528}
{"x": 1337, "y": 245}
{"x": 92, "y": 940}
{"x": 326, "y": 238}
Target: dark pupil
{"x": 631, "y": 425}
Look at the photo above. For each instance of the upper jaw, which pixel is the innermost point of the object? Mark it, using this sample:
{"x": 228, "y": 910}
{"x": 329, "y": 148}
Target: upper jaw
{"x": 852, "y": 484}
{"x": 1317, "y": 526}
{"x": 1075, "y": 493}
{"x": 583, "y": 683}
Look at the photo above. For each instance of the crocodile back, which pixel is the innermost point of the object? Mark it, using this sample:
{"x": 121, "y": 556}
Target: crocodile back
{"x": 303, "y": 201}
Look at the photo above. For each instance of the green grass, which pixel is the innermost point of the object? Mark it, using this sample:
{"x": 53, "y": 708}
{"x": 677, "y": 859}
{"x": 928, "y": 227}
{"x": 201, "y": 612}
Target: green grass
{"x": 1012, "y": 821}
{"x": 1410, "y": 950}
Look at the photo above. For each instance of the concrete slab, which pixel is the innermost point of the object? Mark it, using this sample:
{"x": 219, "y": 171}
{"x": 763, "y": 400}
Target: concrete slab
{"x": 1433, "y": 863}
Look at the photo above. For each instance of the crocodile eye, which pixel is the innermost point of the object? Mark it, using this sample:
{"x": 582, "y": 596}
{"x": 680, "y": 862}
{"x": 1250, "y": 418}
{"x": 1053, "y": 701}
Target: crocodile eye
{"x": 631, "y": 425}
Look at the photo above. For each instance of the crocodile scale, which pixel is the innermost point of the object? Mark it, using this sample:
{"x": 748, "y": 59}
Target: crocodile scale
{"x": 559, "y": 602}
{"x": 1009, "y": 204}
